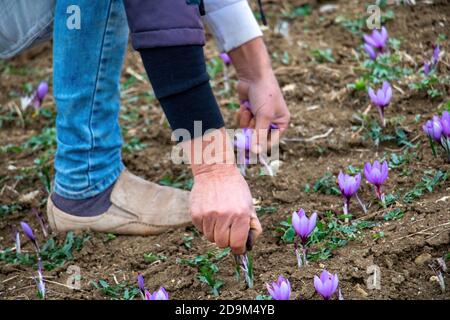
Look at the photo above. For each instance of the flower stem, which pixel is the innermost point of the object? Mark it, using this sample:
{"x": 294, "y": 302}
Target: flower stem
{"x": 363, "y": 206}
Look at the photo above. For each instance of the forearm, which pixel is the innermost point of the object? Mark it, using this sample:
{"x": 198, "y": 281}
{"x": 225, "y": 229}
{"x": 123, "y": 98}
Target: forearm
{"x": 251, "y": 60}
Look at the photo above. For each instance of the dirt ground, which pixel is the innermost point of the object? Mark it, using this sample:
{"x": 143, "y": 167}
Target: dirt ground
{"x": 319, "y": 100}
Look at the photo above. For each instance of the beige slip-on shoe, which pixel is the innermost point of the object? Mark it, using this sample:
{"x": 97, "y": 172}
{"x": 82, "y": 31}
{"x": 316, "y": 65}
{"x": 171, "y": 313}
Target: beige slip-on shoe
{"x": 138, "y": 207}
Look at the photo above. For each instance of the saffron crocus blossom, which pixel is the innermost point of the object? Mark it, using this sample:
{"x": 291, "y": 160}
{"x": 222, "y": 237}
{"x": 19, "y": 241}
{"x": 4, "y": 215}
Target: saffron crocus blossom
{"x": 326, "y": 285}
{"x": 381, "y": 99}
{"x": 433, "y": 128}
{"x": 426, "y": 68}
{"x": 436, "y": 54}
{"x": 30, "y": 234}
{"x": 160, "y": 294}
{"x": 36, "y": 98}
{"x": 303, "y": 227}
{"x": 378, "y": 40}
{"x": 438, "y": 130}
{"x": 377, "y": 175}
{"x": 141, "y": 283}
{"x": 280, "y": 290}
{"x": 349, "y": 187}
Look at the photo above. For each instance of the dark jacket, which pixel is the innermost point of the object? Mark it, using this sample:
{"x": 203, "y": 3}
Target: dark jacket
{"x": 163, "y": 23}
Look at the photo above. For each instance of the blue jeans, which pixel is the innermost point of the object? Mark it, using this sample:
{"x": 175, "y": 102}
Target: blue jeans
{"x": 87, "y": 66}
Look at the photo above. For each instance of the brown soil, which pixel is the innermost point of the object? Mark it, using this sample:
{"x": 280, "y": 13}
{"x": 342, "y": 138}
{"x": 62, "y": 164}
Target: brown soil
{"x": 318, "y": 100}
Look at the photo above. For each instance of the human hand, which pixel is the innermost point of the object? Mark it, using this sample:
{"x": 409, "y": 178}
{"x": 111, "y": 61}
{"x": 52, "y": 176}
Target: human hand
{"x": 221, "y": 204}
{"x": 222, "y": 208}
{"x": 258, "y": 85}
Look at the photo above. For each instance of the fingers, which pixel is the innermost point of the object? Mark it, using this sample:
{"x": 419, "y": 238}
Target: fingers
{"x": 222, "y": 233}
{"x": 261, "y": 132}
{"x": 209, "y": 223}
{"x": 239, "y": 234}
{"x": 245, "y": 117}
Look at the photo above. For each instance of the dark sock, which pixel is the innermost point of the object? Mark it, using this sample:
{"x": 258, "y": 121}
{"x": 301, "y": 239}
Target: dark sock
{"x": 90, "y": 207}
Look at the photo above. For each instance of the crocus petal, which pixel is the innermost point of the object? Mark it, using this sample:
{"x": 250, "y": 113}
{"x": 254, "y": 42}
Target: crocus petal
{"x": 377, "y": 38}
{"x": 370, "y": 51}
{"x": 312, "y": 223}
{"x": 318, "y": 285}
{"x": 370, "y": 41}
{"x": 445, "y": 123}
{"x": 140, "y": 281}
{"x": 303, "y": 227}
{"x": 296, "y": 222}
{"x": 384, "y": 171}
{"x": 373, "y": 96}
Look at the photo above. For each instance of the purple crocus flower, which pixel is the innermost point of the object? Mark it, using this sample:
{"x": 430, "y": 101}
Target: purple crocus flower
{"x": 141, "y": 284}
{"x": 160, "y": 294}
{"x": 433, "y": 128}
{"x": 39, "y": 95}
{"x": 377, "y": 175}
{"x": 225, "y": 58}
{"x": 349, "y": 185}
{"x": 436, "y": 54}
{"x": 370, "y": 51}
{"x": 280, "y": 290}
{"x": 327, "y": 284}
{"x": 382, "y": 98}
{"x": 427, "y": 68}
{"x": 30, "y": 234}
{"x": 378, "y": 39}
{"x": 445, "y": 123}
{"x": 303, "y": 225}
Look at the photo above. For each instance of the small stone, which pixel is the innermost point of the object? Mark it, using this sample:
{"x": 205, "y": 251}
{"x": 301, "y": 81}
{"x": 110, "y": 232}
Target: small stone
{"x": 422, "y": 259}
{"x": 398, "y": 279}
{"x": 361, "y": 291}
{"x": 434, "y": 279}
{"x": 328, "y": 8}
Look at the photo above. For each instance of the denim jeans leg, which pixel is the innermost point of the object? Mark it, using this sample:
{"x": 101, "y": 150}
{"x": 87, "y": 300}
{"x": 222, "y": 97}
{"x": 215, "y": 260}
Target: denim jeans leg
{"x": 87, "y": 67}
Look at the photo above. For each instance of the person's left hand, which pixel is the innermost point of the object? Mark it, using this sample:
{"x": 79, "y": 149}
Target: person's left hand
{"x": 258, "y": 85}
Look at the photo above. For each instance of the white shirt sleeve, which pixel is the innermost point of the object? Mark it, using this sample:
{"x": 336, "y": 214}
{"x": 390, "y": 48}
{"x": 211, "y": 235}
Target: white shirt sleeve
{"x": 232, "y": 23}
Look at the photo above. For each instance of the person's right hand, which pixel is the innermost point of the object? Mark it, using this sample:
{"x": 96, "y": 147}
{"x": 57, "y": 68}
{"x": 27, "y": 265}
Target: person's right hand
{"x": 222, "y": 208}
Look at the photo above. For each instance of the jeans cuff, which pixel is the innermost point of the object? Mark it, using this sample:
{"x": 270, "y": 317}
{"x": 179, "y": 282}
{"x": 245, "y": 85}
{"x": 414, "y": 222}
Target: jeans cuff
{"x": 99, "y": 187}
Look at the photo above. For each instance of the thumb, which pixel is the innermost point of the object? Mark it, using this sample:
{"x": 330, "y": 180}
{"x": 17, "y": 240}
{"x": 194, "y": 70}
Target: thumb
{"x": 254, "y": 233}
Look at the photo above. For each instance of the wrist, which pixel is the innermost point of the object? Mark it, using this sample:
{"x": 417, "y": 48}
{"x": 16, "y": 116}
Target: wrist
{"x": 211, "y": 153}
{"x": 252, "y": 61}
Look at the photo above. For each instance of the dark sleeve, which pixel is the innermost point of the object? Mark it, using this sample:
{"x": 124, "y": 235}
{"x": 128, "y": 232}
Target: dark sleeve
{"x": 181, "y": 84}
